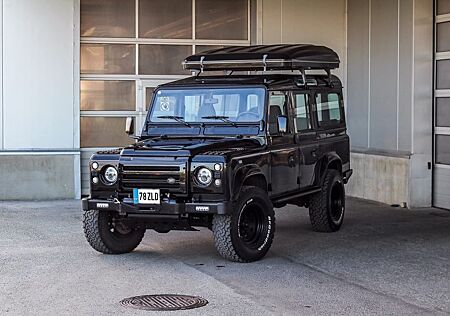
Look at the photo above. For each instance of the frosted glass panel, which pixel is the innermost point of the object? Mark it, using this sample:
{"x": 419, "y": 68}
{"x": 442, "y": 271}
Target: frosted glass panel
{"x": 97, "y": 95}
{"x": 103, "y": 132}
{"x": 443, "y": 149}
{"x": 107, "y": 18}
{"x": 443, "y": 112}
{"x": 107, "y": 59}
{"x": 443, "y": 74}
{"x": 443, "y": 6}
{"x": 222, "y": 19}
{"x": 165, "y": 18}
{"x": 163, "y": 59}
{"x": 443, "y": 37}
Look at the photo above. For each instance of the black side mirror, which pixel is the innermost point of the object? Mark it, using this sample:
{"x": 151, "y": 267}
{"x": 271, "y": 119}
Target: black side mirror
{"x": 129, "y": 126}
{"x": 282, "y": 124}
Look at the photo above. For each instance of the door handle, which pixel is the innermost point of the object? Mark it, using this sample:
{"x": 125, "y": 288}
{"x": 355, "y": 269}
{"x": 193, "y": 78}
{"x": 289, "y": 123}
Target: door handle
{"x": 291, "y": 161}
{"x": 315, "y": 153}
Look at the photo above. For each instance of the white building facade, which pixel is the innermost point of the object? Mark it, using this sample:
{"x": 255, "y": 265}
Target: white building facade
{"x": 72, "y": 70}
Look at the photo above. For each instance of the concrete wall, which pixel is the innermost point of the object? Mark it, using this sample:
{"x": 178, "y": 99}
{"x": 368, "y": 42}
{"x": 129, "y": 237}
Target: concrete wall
{"x": 39, "y": 99}
{"x": 37, "y": 177}
{"x": 371, "y": 181}
{"x": 389, "y": 103}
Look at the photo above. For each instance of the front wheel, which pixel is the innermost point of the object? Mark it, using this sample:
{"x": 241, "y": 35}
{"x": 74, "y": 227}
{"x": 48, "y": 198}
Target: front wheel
{"x": 247, "y": 234}
{"x": 327, "y": 208}
{"x": 107, "y": 234}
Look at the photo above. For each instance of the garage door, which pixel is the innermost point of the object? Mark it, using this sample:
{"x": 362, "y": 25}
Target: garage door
{"x": 442, "y": 106}
{"x": 130, "y": 46}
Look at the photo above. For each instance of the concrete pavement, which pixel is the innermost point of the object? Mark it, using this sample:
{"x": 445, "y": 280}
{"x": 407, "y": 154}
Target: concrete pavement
{"x": 384, "y": 261}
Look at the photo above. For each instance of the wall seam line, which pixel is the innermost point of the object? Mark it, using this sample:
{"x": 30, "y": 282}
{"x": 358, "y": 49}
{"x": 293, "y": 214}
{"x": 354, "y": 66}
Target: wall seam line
{"x": 369, "y": 74}
{"x": 2, "y": 55}
{"x": 413, "y": 77}
{"x": 398, "y": 73}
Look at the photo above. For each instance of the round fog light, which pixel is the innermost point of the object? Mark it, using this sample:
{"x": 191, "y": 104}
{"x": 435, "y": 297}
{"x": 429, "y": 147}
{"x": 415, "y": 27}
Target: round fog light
{"x": 94, "y": 165}
{"x": 217, "y": 167}
{"x": 217, "y": 182}
{"x": 95, "y": 180}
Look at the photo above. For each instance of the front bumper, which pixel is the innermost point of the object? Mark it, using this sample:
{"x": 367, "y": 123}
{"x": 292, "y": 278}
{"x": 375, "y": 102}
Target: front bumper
{"x": 162, "y": 209}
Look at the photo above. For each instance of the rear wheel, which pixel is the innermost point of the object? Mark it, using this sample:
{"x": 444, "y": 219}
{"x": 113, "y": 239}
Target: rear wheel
{"x": 247, "y": 234}
{"x": 108, "y": 234}
{"x": 327, "y": 208}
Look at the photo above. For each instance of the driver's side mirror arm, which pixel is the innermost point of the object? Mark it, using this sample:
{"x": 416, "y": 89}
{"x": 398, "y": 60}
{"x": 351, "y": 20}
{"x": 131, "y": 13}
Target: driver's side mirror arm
{"x": 129, "y": 127}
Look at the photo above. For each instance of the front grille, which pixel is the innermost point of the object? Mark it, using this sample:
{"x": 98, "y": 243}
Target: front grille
{"x": 171, "y": 178}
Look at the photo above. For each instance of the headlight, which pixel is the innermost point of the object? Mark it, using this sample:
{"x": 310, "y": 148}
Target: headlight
{"x": 110, "y": 175}
{"x": 204, "y": 176}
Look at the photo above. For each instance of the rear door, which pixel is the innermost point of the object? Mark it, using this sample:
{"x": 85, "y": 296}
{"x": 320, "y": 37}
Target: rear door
{"x": 331, "y": 128}
{"x": 306, "y": 137}
{"x": 283, "y": 150}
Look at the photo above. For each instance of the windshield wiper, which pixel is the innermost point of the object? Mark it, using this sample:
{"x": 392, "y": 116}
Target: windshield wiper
{"x": 222, "y": 118}
{"x": 179, "y": 119}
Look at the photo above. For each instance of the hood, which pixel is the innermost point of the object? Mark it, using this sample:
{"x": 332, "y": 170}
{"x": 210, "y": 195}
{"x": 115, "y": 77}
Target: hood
{"x": 191, "y": 147}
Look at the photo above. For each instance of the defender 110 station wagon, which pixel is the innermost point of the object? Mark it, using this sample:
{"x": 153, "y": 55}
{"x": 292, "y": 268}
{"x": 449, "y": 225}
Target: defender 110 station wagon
{"x": 222, "y": 150}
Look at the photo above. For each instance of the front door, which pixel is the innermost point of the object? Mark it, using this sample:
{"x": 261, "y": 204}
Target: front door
{"x": 284, "y": 153}
{"x": 305, "y": 138}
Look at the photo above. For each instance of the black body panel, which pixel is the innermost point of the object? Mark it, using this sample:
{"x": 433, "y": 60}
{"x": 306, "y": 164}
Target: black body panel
{"x": 289, "y": 166}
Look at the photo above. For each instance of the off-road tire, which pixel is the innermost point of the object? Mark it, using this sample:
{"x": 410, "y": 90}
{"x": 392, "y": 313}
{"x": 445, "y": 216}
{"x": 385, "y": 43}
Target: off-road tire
{"x": 227, "y": 230}
{"x": 99, "y": 236}
{"x": 321, "y": 210}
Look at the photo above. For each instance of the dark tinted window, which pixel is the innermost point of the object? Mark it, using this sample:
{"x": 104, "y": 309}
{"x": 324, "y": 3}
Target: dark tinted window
{"x": 277, "y": 106}
{"x": 302, "y": 118}
{"x": 329, "y": 113}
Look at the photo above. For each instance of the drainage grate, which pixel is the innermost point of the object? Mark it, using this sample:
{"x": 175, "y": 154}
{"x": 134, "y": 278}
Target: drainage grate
{"x": 164, "y": 302}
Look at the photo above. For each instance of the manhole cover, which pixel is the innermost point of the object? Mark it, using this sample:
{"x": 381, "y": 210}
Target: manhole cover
{"x": 164, "y": 302}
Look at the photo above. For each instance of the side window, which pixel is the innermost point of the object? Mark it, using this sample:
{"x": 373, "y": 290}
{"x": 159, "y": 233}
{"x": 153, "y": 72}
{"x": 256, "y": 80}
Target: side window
{"x": 328, "y": 109}
{"x": 302, "y": 118}
{"x": 277, "y": 107}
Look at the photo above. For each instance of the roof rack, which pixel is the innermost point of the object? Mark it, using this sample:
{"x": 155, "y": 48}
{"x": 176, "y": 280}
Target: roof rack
{"x": 264, "y": 58}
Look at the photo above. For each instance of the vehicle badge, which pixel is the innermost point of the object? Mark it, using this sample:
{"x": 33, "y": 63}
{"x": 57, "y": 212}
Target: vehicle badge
{"x": 171, "y": 181}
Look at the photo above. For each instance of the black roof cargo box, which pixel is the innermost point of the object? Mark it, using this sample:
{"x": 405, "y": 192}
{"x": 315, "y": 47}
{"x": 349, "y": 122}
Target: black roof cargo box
{"x": 264, "y": 58}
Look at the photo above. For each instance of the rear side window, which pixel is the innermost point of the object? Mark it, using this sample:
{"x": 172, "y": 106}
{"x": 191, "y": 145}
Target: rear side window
{"x": 329, "y": 113}
{"x": 277, "y": 107}
{"x": 302, "y": 119}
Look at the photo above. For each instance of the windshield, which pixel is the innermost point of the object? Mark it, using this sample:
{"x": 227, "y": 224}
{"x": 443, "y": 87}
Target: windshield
{"x": 192, "y": 105}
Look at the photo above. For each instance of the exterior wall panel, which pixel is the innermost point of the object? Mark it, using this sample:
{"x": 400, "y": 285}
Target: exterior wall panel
{"x": 384, "y": 72}
{"x": 38, "y": 60}
{"x": 396, "y": 73}
{"x": 358, "y": 72}
{"x": 320, "y": 22}
{"x": 405, "y": 45}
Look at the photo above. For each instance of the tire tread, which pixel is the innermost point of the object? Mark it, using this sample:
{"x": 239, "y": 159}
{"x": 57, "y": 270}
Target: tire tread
{"x": 92, "y": 232}
{"x": 318, "y": 205}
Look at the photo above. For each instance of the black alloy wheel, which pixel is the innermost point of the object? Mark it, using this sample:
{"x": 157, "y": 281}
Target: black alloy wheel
{"x": 327, "y": 208}
{"x": 247, "y": 234}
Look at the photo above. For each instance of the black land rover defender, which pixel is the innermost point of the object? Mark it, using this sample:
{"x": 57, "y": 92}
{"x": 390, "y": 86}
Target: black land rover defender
{"x": 222, "y": 151}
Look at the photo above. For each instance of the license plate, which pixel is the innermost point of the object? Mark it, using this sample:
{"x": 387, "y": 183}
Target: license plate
{"x": 146, "y": 196}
